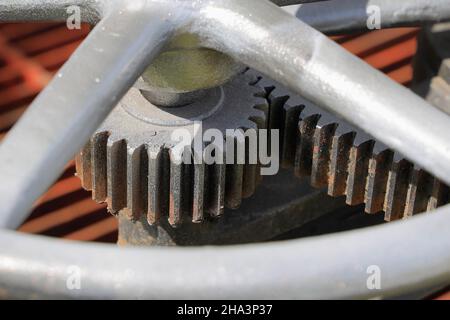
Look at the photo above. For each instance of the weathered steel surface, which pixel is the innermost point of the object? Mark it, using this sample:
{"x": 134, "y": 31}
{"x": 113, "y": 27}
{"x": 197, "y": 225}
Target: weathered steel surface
{"x": 282, "y": 203}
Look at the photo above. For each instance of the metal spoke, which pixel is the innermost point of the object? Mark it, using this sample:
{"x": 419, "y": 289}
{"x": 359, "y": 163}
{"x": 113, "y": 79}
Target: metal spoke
{"x": 50, "y": 10}
{"x": 341, "y": 16}
{"x": 91, "y": 10}
{"x": 73, "y": 105}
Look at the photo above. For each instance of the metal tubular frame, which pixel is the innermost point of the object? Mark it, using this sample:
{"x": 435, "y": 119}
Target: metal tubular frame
{"x": 257, "y": 33}
{"x": 341, "y": 16}
{"x": 51, "y": 10}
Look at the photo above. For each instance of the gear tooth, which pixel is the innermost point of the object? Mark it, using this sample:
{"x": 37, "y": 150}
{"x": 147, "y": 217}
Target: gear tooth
{"x": 357, "y": 172}
{"x": 439, "y": 195}
{"x": 83, "y": 166}
{"x": 259, "y": 93}
{"x": 158, "y": 183}
{"x": 235, "y": 151}
{"x": 198, "y": 192}
{"x": 259, "y": 113}
{"x": 254, "y": 76}
{"x": 187, "y": 198}
{"x": 262, "y": 104}
{"x": 251, "y": 123}
{"x": 117, "y": 175}
{"x": 253, "y": 80}
{"x": 137, "y": 172}
{"x": 99, "y": 166}
{"x": 305, "y": 145}
{"x": 233, "y": 186}
{"x": 377, "y": 181}
{"x": 323, "y": 138}
{"x": 251, "y": 176}
{"x": 259, "y": 177}
{"x": 234, "y": 171}
{"x": 340, "y": 153}
{"x": 276, "y": 91}
{"x": 176, "y": 189}
{"x": 284, "y": 115}
{"x": 275, "y": 116}
{"x": 285, "y": 110}
{"x": 275, "y": 119}
{"x": 290, "y": 135}
{"x": 154, "y": 182}
{"x": 397, "y": 187}
{"x": 216, "y": 178}
{"x": 271, "y": 88}
{"x": 259, "y": 118}
{"x": 419, "y": 190}
{"x": 250, "y": 173}
{"x": 249, "y": 180}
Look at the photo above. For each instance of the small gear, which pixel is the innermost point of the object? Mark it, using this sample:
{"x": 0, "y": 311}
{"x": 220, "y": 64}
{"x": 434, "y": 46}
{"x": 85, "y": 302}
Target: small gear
{"x": 129, "y": 161}
{"x": 347, "y": 161}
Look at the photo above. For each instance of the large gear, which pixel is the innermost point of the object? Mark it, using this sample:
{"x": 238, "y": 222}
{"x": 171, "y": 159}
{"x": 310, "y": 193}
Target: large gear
{"x": 347, "y": 161}
{"x": 129, "y": 163}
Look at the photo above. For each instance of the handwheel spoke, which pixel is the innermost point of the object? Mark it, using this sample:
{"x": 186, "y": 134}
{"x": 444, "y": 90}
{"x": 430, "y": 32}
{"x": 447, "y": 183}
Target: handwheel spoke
{"x": 72, "y": 106}
{"x": 50, "y": 10}
{"x": 341, "y": 16}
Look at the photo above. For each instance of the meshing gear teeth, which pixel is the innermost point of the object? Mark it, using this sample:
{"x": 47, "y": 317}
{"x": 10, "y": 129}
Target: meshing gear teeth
{"x": 130, "y": 162}
{"x": 347, "y": 161}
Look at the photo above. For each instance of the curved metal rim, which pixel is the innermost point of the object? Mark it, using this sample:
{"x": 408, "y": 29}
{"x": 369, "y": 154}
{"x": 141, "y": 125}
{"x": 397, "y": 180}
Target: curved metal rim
{"x": 326, "y": 267}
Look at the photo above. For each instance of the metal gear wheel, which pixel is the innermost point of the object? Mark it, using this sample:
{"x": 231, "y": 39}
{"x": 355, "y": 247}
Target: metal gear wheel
{"x": 347, "y": 161}
{"x": 129, "y": 164}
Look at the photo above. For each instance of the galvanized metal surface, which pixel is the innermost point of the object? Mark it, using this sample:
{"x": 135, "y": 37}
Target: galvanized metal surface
{"x": 282, "y": 203}
{"x": 341, "y": 16}
{"x": 91, "y": 10}
{"x": 330, "y": 266}
{"x": 52, "y": 10}
{"x": 317, "y": 69}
